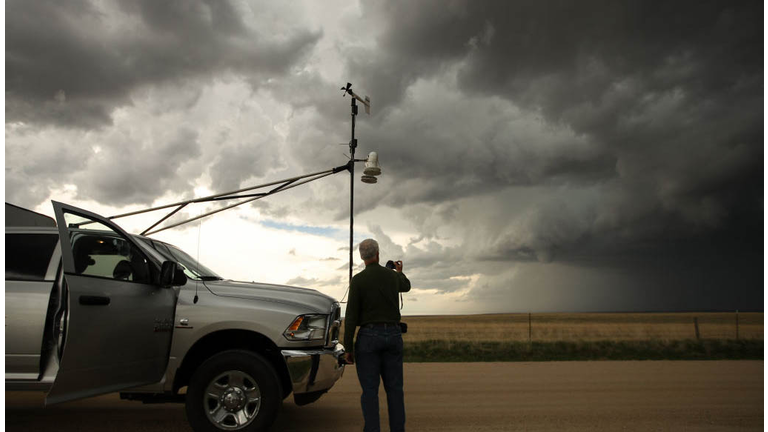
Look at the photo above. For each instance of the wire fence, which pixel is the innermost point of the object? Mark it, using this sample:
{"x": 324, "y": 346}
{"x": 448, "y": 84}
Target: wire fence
{"x": 586, "y": 326}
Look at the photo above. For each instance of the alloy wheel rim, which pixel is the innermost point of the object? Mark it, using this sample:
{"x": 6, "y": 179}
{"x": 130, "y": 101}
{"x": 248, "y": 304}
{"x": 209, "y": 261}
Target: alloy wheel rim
{"x": 232, "y": 400}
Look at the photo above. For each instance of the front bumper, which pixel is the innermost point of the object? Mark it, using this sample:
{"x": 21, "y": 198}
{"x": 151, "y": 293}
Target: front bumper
{"x": 314, "y": 370}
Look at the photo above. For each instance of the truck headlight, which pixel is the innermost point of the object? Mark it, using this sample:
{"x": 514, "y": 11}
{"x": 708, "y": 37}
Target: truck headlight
{"x": 307, "y": 327}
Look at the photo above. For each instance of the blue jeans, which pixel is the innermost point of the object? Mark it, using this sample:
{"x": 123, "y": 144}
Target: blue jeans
{"x": 379, "y": 353}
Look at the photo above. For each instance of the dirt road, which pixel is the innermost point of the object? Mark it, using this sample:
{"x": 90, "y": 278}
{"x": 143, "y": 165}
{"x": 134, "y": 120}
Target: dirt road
{"x": 557, "y": 396}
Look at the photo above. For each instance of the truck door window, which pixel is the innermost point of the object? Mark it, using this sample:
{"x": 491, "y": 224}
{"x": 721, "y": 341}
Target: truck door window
{"x": 27, "y": 255}
{"x": 101, "y": 252}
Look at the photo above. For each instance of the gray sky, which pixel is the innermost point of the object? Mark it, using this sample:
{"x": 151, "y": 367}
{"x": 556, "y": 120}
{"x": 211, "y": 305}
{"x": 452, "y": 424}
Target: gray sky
{"x": 544, "y": 156}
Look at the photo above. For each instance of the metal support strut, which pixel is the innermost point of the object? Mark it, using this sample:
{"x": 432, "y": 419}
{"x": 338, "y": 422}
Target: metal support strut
{"x": 283, "y": 185}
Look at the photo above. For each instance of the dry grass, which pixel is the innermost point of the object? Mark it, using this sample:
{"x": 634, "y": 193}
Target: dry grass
{"x": 573, "y": 327}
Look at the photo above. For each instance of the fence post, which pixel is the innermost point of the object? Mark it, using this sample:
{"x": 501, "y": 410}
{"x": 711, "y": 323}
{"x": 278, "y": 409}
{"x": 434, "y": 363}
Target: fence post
{"x": 696, "y": 326}
{"x": 737, "y": 324}
{"x": 529, "y": 327}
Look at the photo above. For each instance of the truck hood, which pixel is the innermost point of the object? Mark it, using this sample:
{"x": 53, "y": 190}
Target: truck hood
{"x": 300, "y": 297}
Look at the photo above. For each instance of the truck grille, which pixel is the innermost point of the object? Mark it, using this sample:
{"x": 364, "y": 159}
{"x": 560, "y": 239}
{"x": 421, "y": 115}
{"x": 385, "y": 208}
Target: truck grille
{"x": 334, "y": 326}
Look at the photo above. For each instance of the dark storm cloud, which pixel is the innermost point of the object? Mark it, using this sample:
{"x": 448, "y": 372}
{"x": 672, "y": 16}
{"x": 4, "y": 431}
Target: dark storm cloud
{"x": 28, "y": 182}
{"x": 547, "y": 151}
{"x": 127, "y": 172}
{"x": 578, "y": 49}
{"x": 639, "y": 123}
{"x": 668, "y": 98}
{"x": 122, "y": 171}
{"x": 71, "y": 63}
{"x": 238, "y": 162}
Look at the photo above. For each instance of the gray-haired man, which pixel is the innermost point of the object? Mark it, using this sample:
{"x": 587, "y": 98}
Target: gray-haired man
{"x": 373, "y": 305}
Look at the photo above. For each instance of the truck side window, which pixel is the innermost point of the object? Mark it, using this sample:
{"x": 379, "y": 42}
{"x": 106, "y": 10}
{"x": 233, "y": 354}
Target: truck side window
{"x": 27, "y": 255}
{"x": 107, "y": 256}
{"x": 101, "y": 252}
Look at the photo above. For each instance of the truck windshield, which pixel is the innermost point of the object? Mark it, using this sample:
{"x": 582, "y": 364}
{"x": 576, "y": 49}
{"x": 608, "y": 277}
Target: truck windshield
{"x": 192, "y": 268}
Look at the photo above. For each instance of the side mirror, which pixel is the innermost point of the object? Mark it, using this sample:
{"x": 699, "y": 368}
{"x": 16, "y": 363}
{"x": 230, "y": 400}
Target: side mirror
{"x": 172, "y": 275}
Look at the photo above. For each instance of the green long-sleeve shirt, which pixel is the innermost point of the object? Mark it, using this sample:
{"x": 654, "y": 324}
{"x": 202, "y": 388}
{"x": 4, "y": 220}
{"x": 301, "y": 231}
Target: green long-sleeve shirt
{"x": 373, "y": 298}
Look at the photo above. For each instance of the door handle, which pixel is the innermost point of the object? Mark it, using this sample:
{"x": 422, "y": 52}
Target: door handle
{"x": 94, "y": 300}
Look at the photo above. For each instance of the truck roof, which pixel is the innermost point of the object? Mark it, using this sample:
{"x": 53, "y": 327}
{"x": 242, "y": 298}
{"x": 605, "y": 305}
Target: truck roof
{"x": 16, "y": 216}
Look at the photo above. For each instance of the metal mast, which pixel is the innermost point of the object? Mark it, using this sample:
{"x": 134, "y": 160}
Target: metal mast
{"x": 352, "y": 146}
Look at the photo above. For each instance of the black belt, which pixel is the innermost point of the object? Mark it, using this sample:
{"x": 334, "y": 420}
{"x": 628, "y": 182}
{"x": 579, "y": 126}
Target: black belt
{"x": 381, "y": 325}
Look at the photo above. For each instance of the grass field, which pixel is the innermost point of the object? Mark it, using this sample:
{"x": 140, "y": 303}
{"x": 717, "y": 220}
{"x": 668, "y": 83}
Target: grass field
{"x": 583, "y": 336}
{"x": 583, "y": 327}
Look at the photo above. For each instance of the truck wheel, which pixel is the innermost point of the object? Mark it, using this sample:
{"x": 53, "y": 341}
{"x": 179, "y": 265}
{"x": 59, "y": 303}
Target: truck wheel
{"x": 234, "y": 390}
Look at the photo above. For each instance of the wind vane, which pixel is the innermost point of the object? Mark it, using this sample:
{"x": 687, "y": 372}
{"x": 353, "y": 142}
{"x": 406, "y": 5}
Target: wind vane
{"x": 365, "y": 101}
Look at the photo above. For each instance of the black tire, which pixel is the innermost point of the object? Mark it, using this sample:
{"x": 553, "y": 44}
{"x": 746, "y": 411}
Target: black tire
{"x": 224, "y": 373}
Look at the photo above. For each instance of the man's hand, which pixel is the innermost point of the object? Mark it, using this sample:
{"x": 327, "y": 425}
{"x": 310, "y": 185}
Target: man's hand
{"x": 399, "y": 266}
{"x": 349, "y": 357}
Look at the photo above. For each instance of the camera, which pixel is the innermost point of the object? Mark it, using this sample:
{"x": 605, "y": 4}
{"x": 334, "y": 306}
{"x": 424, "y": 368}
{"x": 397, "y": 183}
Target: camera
{"x": 390, "y": 265}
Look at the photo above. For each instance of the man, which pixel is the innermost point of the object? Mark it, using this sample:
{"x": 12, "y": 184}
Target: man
{"x": 373, "y": 305}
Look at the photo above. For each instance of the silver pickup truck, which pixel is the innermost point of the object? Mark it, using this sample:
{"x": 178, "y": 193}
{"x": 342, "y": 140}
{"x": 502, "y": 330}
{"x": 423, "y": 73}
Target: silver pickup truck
{"x": 91, "y": 309}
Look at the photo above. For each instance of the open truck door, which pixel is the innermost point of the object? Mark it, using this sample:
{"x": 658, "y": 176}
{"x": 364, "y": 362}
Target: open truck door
{"x": 120, "y": 309}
